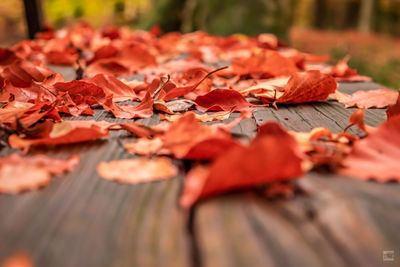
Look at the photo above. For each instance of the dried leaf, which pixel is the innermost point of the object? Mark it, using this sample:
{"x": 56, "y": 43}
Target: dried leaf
{"x": 137, "y": 170}
{"x": 66, "y": 132}
{"x": 379, "y": 98}
{"x": 222, "y": 100}
{"x": 272, "y": 156}
{"x": 18, "y": 174}
{"x": 377, "y": 156}
{"x": 143, "y": 110}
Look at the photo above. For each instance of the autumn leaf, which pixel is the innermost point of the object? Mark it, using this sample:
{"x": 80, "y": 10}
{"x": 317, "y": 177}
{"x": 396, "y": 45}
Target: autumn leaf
{"x": 18, "y": 174}
{"x": 394, "y": 110}
{"x": 143, "y": 110}
{"x": 376, "y": 156}
{"x": 264, "y": 65}
{"x": 378, "y": 98}
{"x": 112, "y": 86}
{"x": 66, "y": 132}
{"x": 272, "y": 156}
{"x": 301, "y": 87}
{"x": 23, "y": 73}
{"x": 222, "y": 100}
{"x": 205, "y": 117}
{"x": 137, "y": 170}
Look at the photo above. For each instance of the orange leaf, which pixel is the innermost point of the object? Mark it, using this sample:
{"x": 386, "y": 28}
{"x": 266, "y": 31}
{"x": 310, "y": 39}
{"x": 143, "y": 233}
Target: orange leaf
{"x": 394, "y": 110}
{"x": 143, "y": 110}
{"x": 19, "y": 174}
{"x": 378, "y": 155}
{"x": 222, "y": 100}
{"x": 379, "y": 98}
{"x": 66, "y": 132}
{"x": 137, "y": 170}
{"x": 272, "y": 156}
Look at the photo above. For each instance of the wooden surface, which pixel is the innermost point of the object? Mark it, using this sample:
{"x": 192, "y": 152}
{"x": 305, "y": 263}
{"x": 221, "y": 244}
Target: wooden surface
{"x": 80, "y": 219}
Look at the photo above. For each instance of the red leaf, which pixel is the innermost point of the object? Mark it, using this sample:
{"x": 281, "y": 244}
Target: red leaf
{"x": 187, "y": 136}
{"x": 137, "y": 170}
{"x": 19, "y": 174}
{"x": 378, "y": 155}
{"x": 222, "y": 100}
{"x": 394, "y": 110}
{"x": 265, "y": 65}
{"x": 23, "y": 73}
{"x": 307, "y": 87}
{"x": 378, "y": 98}
{"x": 112, "y": 86}
{"x": 143, "y": 110}
{"x": 66, "y": 132}
{"x": 82, "y": 92}
{"x": 272, "y": 156}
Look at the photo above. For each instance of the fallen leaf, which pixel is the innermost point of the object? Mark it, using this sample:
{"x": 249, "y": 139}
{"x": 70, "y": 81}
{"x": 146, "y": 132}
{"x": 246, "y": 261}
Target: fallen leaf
{"x": 205, "y": 117}
{"x": 143, "y": 110}
{"x": 222, "y": 100}
{"x": 18, "y": 174}
{"x": 394, "y": 110}
{"x": 66, "y": 132}
{"x": 378, "y": 98}
{"x": 301, "y": 87}
{"x": 137, "y": 170}
{"x": 147, "y": 147}
{"x": 272, "y": 156}
{"x": 112, "y": 86}
{"x": 377, "y": 156}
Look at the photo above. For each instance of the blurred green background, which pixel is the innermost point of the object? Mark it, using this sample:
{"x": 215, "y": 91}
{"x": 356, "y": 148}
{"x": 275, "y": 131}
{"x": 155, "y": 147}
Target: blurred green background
{"x": 367, "y": 30}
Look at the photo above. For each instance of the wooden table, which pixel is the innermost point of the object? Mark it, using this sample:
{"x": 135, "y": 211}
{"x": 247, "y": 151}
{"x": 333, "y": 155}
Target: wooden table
{"x": 82, "y": 220}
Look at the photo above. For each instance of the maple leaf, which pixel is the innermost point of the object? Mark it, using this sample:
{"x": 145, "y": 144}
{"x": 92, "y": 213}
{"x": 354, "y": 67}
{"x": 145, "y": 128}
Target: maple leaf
{"x": 264, "y": 65}
{"x": 143, "y": 110}
{"x": 26, "y": 114}
{"x": 18, "y": 174}
{"x": 376, "y": 156}
{"x": 138, "y": 130}
{"x": 66, "y": 132}
{"x": 23, "y": 73}
{"x": 205, "y": 117}
{"x": 137, "y": 170}
{"x": 187, "y": 132}
{"x": 112, "y": 86}
{"x": 222, "y": 100}
{"x": 82, "y": 92}
{"x": 301, "y": 87}
{"x": 378, "y": 98}
{"x": 272, "y": 156}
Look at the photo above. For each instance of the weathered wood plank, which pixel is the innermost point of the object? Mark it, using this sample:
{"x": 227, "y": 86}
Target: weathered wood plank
{"x": 338, "y": 222}
{"x": 83, "y": 220}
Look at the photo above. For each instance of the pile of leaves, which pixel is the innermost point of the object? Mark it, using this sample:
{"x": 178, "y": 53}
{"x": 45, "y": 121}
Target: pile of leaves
{"x": 187, "y": 79}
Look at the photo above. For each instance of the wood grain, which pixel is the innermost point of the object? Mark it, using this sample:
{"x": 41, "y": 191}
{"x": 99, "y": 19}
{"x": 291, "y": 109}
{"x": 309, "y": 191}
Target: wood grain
{"x": 82, "y": 220}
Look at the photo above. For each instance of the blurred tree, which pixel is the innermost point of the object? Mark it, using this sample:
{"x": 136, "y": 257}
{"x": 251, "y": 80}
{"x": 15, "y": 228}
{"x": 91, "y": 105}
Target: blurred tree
{"x": 365, "y": 15}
